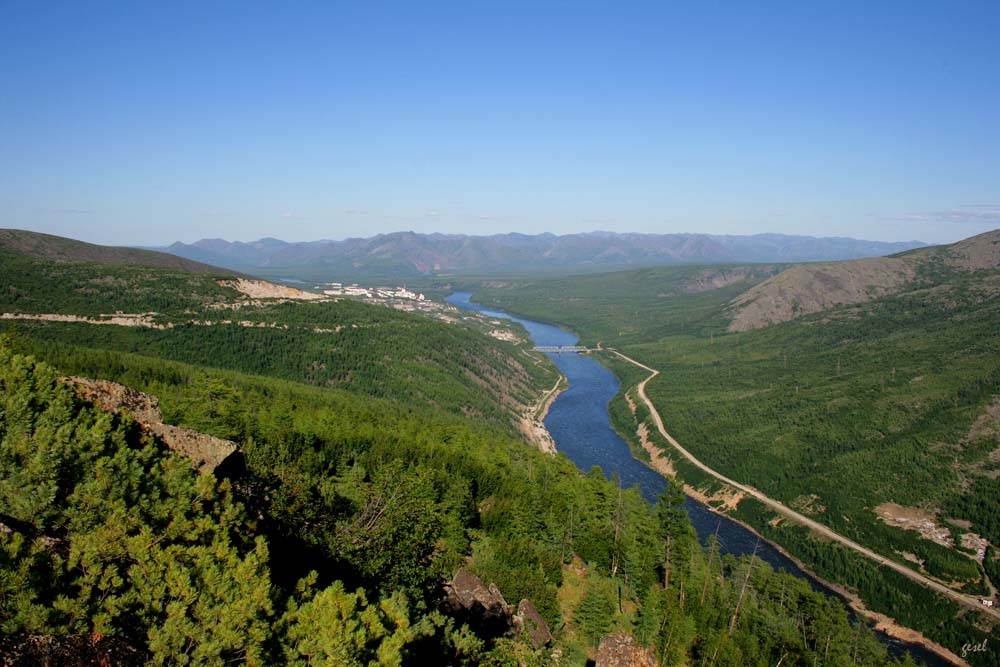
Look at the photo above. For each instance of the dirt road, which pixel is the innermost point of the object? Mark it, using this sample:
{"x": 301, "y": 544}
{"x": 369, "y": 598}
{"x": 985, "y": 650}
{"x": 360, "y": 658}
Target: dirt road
{"x": 792, "y": 515}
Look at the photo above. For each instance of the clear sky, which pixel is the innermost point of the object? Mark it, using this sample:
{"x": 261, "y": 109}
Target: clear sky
{"x": 150, "y": 122}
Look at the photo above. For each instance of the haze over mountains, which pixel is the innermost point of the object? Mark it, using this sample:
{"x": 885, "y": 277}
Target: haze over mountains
{"x": 404, "y": 254}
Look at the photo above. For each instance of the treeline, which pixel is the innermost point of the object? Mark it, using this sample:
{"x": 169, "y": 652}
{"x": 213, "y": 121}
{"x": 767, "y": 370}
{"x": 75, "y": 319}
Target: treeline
{"x": 333, "y": 547}
{"x": 412, "y": 359}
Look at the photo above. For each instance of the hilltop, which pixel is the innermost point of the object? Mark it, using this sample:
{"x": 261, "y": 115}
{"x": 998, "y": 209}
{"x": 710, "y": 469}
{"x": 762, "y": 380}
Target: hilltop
{"x": 60, "y": 249}
{"x": 407, "y": 254}
{"x": 812, "y": 288}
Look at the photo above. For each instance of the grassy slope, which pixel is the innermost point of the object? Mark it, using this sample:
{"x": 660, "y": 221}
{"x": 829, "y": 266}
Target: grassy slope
{"x": 58, "y": 249}
{"x": 626, "y": 307}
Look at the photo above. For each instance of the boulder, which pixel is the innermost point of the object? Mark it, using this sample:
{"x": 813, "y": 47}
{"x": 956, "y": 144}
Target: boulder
{"x": 482, "y": 607}
{"x": 530, "y": 623}
{"x": 487, "y": 612}
{"x": 467, "y": 591}
{"x": 114, "y": 397}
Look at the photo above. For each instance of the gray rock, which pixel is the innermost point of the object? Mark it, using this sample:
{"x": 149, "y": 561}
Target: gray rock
{"x": 467, "y": 591}
{"x": 529, "y": 622}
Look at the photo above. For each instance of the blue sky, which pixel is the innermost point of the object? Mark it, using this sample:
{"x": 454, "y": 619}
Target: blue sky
{"x": 146, "y": 123}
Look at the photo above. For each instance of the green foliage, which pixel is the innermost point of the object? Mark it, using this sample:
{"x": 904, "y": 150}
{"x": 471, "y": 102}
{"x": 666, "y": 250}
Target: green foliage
{"x": 373, "y": 350}
{"x": 338, "y": 628}
{"x": 832, "y": 413}
{"x": 364, "y": 349}
{"x": 627, "y": 307}
{"x": 363, "y": 465}
{"x": 123, "y": 538}
{"x": 509, "y": 653}
{"x": 34, "y": 285}
{"x": 166, "y": 558}
{"x": 597, "y": 609}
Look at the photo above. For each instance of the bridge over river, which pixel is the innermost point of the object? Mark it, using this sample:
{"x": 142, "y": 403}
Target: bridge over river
{"x": 561, "y": 348}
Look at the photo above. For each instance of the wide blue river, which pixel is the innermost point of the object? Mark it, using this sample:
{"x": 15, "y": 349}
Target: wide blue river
{"x": 579, "y": 423}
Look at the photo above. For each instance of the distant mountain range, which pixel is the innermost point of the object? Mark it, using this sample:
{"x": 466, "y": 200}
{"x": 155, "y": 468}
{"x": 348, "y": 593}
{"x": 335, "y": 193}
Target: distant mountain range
{"x": 408, "y": 254}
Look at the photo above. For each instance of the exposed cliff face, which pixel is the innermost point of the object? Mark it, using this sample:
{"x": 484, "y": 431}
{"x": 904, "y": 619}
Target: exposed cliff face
{"x": 207, "y": 453}
{"x": 261, "y": 289}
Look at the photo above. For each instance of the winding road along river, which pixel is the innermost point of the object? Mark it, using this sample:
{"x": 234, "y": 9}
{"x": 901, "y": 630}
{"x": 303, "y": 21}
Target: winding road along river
{"x": 578, "y": 422}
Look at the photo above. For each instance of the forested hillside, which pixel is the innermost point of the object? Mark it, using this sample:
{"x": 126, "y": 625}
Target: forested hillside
{"x": 877, "y": 417}
{"x": 203, "y": 319}
{"x": 333, "y": 547}
{"x": 59, "y": 249}
{"x": 380, "y": 464}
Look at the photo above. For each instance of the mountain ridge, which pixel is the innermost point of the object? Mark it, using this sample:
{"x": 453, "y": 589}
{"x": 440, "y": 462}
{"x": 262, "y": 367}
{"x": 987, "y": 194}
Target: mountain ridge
{"x": 406, "y": 254}
{"x": 812, "y": 288}
{"x": 61, "y": 249}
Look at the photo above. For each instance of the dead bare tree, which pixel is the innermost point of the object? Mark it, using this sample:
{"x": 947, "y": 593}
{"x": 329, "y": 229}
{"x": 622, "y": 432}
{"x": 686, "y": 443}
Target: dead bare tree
{"x": 743, "y": 590}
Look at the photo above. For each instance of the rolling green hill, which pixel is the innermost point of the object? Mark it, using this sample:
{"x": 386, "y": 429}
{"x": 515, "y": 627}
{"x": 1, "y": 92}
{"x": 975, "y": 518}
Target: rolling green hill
{"x": 334, "y": 546}
{"x": 60, "y": 249}
{"x": 202, "y": 318}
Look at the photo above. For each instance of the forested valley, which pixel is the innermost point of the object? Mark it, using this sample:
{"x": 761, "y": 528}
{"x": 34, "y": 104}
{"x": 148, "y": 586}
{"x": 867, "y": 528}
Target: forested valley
{"x": 876, "y": 416}
{"x": 357, "y": 504}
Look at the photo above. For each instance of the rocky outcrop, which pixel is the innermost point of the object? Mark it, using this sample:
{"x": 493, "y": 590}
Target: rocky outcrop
{"x": 261, "y": 289}
{"x": 114, "y": 397}
{"x": 622, "y": 651}
{"x": 207, "y": 453}
{"x": 60, "y": 650}
{"x": 530, "y": 623}
{"x": 486, "y": 610}
{"x": 467, "y": 591}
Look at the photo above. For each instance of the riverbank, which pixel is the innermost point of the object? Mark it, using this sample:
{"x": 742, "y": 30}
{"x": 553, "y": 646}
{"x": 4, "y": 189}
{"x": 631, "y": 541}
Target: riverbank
{"x": 579, "y": 421}
{"x": 532, "y": 422}
{"x": 662, "y": 464}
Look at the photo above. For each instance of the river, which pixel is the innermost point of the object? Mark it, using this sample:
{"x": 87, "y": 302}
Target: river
{"x": 579, "y": 424}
